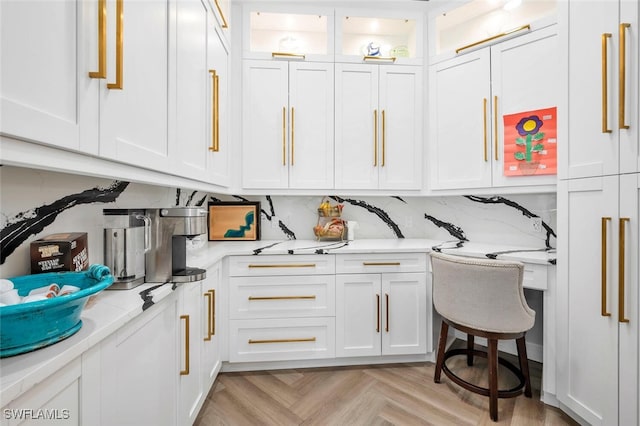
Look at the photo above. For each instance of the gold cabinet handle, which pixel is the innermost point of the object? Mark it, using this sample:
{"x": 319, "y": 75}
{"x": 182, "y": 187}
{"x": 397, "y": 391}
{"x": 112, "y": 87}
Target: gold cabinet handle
{"x": 605, "y": 95}
{"x": 185, "y": 372}
{"x": 484, "y": 126}
{"x": 207, "y": 295}
{"x": 386, "y": 296}
{"x": 213, "y": 311}
{"x": 293, "y": 134}
{"x": 378, "y": 318}
{"x": 284, "y": 265}
{"x": 102, "y": 41}
{"x": 603, "y": 248}
{"x": 119, "y": 46}
{"x": 622, "y": 71}
{"x": 287, "y": 55}
{"x": 383, "y": 138}
{"x": 621, "y": 254}
{"x": 368, "y": 58}
{"x": 506, "y": 33}
{"x": 284, "y": 136}
{"x": 304, "y": 339}
{"x": 495, "y": 127}
{"x": 375, "y": 138}
{"x": 381, "y": 263}
{"x": 311, "y": 297}
{"x": 224, "y": 20}
{"x": 215, "y": 147}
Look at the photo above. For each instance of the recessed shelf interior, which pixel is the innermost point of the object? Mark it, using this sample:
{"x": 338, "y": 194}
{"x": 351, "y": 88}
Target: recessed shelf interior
{"x": 288, "y": 33}
{"x": 378, "y": 36}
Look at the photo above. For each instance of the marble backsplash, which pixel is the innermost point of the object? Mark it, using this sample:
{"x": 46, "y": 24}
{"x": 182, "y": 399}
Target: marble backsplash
{"x": 35, "y": 203}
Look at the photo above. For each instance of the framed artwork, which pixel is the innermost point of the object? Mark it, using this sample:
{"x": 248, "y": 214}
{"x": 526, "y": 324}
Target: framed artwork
{"x": 234, "y": 220}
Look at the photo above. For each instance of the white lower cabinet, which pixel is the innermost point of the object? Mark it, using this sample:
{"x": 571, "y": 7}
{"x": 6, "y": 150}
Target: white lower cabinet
{"x": 54, "y": 401}
{"x": 138, "y": 370}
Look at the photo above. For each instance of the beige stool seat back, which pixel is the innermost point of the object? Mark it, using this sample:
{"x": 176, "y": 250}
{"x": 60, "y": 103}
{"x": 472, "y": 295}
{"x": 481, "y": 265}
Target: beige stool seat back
{"x": 483, "y": 294}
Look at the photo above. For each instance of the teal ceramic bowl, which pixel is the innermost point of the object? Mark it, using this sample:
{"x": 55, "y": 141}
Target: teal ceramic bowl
{"x": 29, "y": 326}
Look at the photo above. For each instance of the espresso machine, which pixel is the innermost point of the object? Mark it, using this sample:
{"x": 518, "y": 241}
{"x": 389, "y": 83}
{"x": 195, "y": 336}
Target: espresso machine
{"x": 166, "y": 260}
{"x": 126, "y": 241}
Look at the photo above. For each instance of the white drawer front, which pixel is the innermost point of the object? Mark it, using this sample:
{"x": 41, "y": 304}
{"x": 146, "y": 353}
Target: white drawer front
{"x": 261, "y": 265}
{"x": 380, "y": 263}
{"x": 282, "y": 296}
{"x": 281, "y": 339}
{"x": 535, "y": 276}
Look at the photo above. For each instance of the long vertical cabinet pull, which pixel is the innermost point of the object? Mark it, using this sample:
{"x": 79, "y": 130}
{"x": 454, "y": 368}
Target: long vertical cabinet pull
{"x": 621, "y": 254}
{"x": 484, "y": 124}
{"x": 375, "y": 138}
{"x": 119, "y": 46}
{"x": 207, "y": 295}
{"x": 378, "y": 318}
{"x": 622, "y": 71}
{"x": 495, "y": 127}
{"x": 185, "y": 372}
{"x": 605, "y": 95}
{"x": 213, "y": 311}
{"x": 386, "y": 296}
{"x": 293, "y": 135}
{"x": 603, "y": 248}
{"x": 215, "y": 143}
{"x": 384, "y": 139}
{"x": 102, "y": 41}
{"x": 284, "y": 136}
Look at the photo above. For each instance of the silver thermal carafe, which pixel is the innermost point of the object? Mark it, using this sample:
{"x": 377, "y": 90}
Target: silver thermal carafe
{"x": 126, "y": 240}
{"x": 170, "y": 229}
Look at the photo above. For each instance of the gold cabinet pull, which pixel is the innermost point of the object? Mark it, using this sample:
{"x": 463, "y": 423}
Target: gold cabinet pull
{"x": 621, "y": 254}
{"x": 215, "y": 146}
{"x": 304, "y": 339}
{"x": 311, "y": 297}
{"x": 284, "y": 265}
{"x": 119, "y": 46}
{"x": 386, "y": 296}
{"x": 506, "y": 33}
{"x": 375, "y": 138}
{"x": 484, "y": 126}
{"x": 383, "y": 138}
{"x": 224, "y": 20}
{"x": 368, "y": 58}
{"x": 293, "y": 134}
{"x": 495, "y": 127}
{"x": 381, "y": 263}
{"x": 378, "y": 318}
{"x": 603, "y": 248}
{"x": 287, "y": 55}
{"x": 605, "y": 96}
{"x": 284, "y": 136}
{"x": 622, "y": 71}
{"x": 102, "y": 41}
{"x": 185, "y": 372}
{"x": 207, "y": 295}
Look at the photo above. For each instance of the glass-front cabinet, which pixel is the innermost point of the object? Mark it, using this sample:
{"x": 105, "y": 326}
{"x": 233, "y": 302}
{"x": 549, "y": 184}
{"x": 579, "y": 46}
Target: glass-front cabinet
{"x": 375, "y": 36}
{"x": 302, "y": 34}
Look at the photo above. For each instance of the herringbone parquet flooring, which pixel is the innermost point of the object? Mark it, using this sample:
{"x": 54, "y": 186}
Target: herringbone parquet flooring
{"x": 398, "y": 394}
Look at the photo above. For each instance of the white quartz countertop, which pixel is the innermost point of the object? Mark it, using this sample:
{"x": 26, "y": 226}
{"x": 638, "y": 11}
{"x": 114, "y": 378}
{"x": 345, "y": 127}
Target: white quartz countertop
{"x": 109, "y": 310}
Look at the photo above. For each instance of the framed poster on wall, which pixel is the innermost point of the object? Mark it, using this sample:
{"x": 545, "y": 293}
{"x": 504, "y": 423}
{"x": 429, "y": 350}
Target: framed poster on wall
{"x": 234, "y": 221}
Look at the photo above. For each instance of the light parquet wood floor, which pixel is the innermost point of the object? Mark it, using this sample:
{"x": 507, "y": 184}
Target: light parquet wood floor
{"x": 392, "y": 394}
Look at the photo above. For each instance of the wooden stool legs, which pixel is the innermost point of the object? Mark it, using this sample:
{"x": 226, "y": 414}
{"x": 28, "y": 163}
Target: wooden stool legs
{"x": 442, "y": 345}
{"x": 524, "y": 365}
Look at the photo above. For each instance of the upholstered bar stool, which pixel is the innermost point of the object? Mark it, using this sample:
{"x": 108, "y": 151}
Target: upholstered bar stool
{"x": 484, "y": 298}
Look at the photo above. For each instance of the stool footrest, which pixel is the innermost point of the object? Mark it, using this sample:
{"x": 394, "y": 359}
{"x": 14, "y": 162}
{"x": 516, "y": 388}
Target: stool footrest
{"x": 502, "y": 393}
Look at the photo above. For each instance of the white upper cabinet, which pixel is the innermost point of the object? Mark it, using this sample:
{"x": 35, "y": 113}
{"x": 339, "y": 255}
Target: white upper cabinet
{"x": 198, "y": 140}
{"x": 378, "y": 36}
{"x": 378, "y": 137}
{"x": 46, "y": 95}
{"x": 287, "y": 125}
{"x": 603, "y": 94}
{"x": 473, "y": 95}
{"x": 134, "y": 99}
{"x": 302, "y": 33}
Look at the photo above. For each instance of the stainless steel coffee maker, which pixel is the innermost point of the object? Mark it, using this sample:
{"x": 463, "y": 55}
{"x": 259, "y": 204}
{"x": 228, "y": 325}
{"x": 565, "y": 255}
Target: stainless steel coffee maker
{"x": 166, "y": 261}
{"x": 126, "y": 241}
